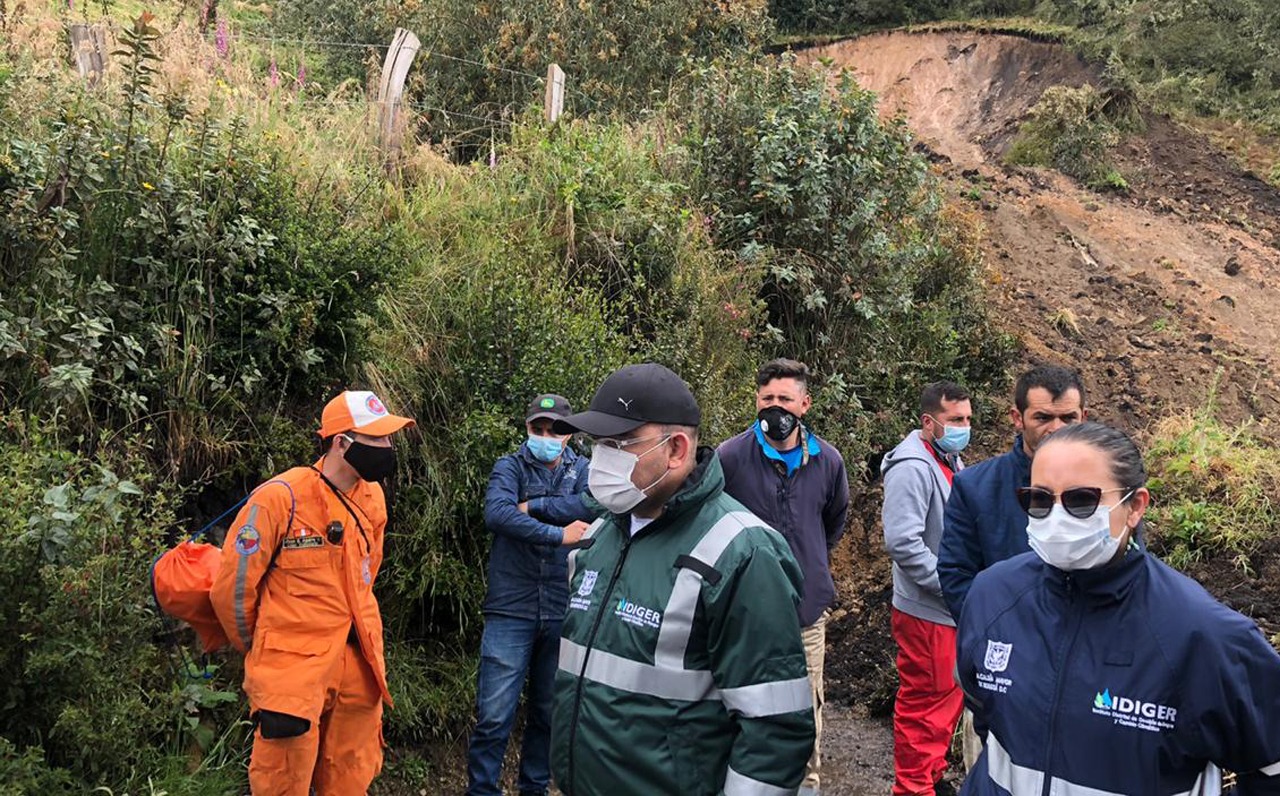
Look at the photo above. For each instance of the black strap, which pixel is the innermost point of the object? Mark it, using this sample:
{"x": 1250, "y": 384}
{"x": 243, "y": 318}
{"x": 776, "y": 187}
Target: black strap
{"x": 709, "y": 573}
{"x": 343, "y": 500}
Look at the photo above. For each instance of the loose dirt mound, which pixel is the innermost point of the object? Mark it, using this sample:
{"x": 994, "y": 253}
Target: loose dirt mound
{"x": 1152, "y": 293}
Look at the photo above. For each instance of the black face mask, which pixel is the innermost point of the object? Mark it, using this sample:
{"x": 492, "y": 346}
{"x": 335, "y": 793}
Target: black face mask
{"x": 370, "y": 463}
{"x": 777, "y": 423}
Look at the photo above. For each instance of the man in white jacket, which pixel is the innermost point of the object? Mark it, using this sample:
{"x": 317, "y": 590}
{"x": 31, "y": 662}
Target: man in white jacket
{"x": 917, "y": 482}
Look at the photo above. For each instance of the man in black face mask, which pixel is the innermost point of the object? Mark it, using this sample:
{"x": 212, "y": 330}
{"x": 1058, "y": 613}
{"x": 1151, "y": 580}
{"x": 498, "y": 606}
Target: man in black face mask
{"x": 797, "y": 483}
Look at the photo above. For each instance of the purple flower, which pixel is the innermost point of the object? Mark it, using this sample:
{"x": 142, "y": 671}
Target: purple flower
{"x": 222, "y": 39}
{"x": 273, "y": 74}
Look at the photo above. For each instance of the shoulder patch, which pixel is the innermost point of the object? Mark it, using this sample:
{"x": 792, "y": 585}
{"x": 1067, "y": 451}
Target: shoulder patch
{"x": 247, "y": 540}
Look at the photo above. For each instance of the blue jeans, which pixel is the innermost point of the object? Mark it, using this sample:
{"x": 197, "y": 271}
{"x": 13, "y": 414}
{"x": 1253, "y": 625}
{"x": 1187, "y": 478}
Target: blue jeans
{"x": 510, "y": 649}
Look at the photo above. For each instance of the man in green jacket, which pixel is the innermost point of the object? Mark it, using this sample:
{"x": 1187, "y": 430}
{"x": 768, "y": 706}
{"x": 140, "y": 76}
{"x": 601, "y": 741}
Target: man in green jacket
{"x": 681, "y": 666}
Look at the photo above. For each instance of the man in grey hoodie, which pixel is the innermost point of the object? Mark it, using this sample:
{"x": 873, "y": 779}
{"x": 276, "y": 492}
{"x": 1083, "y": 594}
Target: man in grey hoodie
{"x": 917, "y": 482}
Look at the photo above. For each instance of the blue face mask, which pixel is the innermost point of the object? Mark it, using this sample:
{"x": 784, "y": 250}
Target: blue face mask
{"x": 545, "y": 449}
{"x": 954, "y": 439}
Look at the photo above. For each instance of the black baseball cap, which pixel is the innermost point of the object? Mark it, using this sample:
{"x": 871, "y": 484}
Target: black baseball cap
{"x": 549, "y": 406}
{"x": 631, "y": 397}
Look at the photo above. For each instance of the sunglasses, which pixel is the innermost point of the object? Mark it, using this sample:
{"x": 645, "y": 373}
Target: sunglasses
{"x": 1080, "y": 502}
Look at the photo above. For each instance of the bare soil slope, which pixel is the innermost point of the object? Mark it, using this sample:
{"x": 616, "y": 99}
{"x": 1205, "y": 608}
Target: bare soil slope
{"x": 1150, "y": 293}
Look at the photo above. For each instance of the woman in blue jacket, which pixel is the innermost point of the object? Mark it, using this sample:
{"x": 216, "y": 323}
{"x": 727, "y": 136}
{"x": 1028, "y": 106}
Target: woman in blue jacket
{"x": 1095, "y": 669}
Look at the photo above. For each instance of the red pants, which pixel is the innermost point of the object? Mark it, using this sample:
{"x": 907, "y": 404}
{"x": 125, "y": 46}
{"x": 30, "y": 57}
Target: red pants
{"x": 342, "y": 755}
{"x": 928, "y": 704}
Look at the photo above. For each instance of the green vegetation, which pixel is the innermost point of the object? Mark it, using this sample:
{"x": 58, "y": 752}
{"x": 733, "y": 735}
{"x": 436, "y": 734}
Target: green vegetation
{"x": 196, "y": 255}
{"x": 1213, "y": 488}
{"x": 1071, "y": 130}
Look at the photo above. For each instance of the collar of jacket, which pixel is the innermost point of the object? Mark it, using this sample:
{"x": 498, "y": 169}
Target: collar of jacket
{"x": 807, "y": 440}
{"x": 1022, "y": 459}
{"x": 1104, "y": 585}
{"x": 705, "y": 482}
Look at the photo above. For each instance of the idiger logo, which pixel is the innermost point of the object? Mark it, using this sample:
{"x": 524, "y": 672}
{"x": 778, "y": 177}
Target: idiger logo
{"x": 1128, "y": 712}
{"x": 375, "y": 406}
{"x": 582, "y": 600}
{"x": 637, "y": 615}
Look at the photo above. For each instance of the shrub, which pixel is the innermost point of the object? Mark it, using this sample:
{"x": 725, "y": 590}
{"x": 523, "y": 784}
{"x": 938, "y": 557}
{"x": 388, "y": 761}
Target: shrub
{"x": 805, "y": 183}
{"x": 1068, "y": 129}
{"x": 163, "y": 264}
{"x": 83, "y": 678}
{"x": 1213, "y": 488}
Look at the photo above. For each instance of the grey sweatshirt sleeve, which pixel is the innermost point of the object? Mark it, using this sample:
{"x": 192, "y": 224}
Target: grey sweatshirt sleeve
{"x": 907, "y": 489}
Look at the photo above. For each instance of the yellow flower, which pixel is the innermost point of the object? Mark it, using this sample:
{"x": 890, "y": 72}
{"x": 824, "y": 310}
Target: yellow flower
{"x": 148, "y": 186}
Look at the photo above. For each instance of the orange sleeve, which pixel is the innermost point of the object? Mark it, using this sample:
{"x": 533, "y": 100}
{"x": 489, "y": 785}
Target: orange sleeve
{"x": 247, "y": 554}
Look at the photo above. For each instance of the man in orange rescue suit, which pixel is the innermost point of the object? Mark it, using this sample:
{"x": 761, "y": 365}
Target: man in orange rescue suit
{"x": 295, "y": 594}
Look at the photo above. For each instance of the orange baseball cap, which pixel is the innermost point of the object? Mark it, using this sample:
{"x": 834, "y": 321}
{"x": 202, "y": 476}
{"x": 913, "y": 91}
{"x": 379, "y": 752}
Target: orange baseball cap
{"x": 362, "y": 411}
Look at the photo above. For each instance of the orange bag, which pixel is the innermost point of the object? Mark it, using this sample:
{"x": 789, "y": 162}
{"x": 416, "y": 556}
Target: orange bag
{"x": 180, "y": 581}
{"x": 182, "y": 577}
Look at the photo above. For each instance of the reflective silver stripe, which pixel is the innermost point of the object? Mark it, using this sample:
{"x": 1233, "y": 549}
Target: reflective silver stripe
{"x": 1272, "y": 770}
{"x": 1002, "y": 770}
{"x": 587, "y": 534}
{"x": 635, "y": 677}
{"x": 677, "y": 619}
{"x": 736, "y": 784}
{"x": 1209, "y": 783}
{"x": 242, "y": 573}
{"x": 769, "y": 699}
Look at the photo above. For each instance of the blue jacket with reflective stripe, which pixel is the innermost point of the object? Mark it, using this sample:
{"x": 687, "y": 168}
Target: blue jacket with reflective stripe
{"x": 528, "y": 577}
{"x": 1130, "y": 679}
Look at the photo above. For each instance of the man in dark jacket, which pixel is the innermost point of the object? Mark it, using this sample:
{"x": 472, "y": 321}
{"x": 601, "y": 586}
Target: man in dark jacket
{"x": 681, "y": 667}
{"x": 796, "y": 483}
{"x": 983, "y": 523}
{"x": 534, "y": 508}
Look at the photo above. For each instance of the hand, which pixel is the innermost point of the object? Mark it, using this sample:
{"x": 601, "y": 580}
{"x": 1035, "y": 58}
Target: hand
{"x": 573, "y": 532}
{"x": 524, "y": 507}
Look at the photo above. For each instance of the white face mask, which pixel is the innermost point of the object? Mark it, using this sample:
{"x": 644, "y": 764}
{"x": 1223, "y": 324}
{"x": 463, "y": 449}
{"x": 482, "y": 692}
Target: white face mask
{"x": 609, "y": 477}
{"x": 1071, "y": 543}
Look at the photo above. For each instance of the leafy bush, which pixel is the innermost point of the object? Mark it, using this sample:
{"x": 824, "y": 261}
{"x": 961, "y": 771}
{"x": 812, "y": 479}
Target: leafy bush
{"x": 82, "y": 678}
{"x": 160, "y": 264}
{"x": 804, "y": 182}
{"x": 1069, "y": 130}
{"x": 1214, "y": 489}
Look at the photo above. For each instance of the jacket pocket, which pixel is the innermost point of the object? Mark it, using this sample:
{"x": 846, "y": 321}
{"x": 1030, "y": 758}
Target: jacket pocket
{"x": 296, "y": 643}
{"x": 689, "y": 763}
{"x": 308, "y": 572}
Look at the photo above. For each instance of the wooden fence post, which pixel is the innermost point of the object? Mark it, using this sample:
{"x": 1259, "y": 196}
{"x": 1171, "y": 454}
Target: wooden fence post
{"x": 395, "y": 69}
{"x": 88, "y": 48}
{"x": 553, "y": 104}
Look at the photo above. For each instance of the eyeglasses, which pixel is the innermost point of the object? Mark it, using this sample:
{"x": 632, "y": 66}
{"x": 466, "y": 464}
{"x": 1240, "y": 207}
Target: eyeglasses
{"x": 623, "y": 444}
{"x": 1080, "y": 502}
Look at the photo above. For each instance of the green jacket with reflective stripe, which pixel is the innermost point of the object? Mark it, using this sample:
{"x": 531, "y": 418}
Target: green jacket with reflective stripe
{"x": 681, "y": 666}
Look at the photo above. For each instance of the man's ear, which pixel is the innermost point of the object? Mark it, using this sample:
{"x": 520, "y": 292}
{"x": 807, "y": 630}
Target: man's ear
{"x": 1015, "y": 417}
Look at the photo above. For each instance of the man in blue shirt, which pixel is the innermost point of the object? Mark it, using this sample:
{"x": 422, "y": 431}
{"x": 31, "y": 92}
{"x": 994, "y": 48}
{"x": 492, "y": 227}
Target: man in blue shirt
{"x": 797, "y": 483}
{"x": 534, "y": 508}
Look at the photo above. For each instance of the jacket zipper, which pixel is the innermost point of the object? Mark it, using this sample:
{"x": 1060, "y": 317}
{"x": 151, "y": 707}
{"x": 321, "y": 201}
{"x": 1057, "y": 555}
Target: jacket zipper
{"x": 1077, "y": 615}
{"x": 591, "y": 638}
